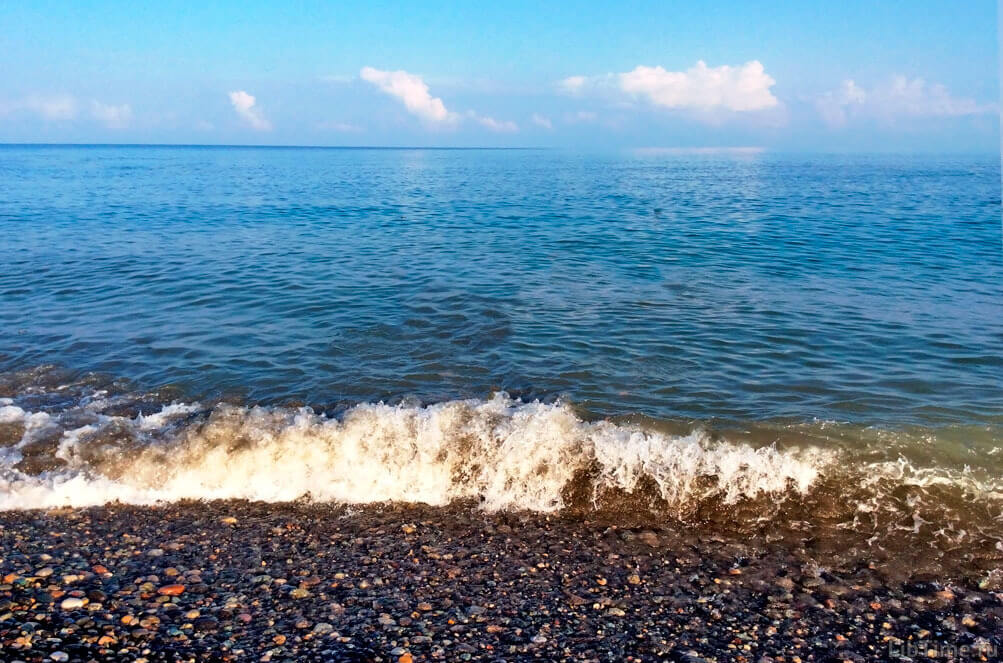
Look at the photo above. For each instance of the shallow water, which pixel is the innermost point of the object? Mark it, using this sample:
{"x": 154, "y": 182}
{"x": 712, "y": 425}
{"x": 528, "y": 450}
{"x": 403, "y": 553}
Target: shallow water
{"x": 804, "y": 345}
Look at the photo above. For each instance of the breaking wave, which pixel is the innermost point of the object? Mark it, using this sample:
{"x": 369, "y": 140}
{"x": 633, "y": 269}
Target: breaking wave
{"x": 817, "y": 484}
{"x": 505, "y": 453}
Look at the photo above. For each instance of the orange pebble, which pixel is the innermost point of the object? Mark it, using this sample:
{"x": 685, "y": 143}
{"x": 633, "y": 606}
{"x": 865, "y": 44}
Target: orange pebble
{"x": 171, "y": 590}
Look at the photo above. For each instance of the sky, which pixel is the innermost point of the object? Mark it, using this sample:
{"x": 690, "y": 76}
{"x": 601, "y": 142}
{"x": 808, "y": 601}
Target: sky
{"x": 851, "y": 75}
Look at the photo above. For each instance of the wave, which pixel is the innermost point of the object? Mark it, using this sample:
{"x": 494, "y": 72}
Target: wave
{"x": 833, "y": 485}
{"x": 505, "y": 453}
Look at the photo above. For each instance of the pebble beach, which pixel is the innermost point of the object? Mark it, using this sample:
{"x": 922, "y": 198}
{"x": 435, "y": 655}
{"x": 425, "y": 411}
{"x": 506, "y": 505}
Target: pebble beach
{"x": 243, "y": 581}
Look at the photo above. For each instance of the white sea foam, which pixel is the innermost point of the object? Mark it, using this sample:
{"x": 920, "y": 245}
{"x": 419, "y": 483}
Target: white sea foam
{"x": 505, "y": 453}
{"x": 10, "y": 413}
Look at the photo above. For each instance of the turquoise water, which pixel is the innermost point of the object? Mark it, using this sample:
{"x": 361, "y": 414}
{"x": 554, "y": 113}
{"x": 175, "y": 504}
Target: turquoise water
{"x": 864, "y": 289}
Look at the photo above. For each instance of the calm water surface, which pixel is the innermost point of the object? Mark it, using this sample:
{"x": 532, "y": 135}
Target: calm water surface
{"x": 865, "y": 289}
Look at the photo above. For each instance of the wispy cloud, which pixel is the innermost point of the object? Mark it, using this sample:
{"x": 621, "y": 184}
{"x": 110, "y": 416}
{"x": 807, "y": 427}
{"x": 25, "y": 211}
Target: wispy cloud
{"x": 499, "y": 126}
{"x": 412, "y": 91}
{"x": 343, "y": 127}
{"x": 700, "y": 88}
{"x": 66, "y": 107}
{"x": 895, "y": 98}
{"x": 542, "y": 121}
{"x": 246, "y": 107}
{"x": 580, "y": 117}
{"x": 50, "y": 107}
{"x": 113, "y": 117}
{"x": 575, "y": 84}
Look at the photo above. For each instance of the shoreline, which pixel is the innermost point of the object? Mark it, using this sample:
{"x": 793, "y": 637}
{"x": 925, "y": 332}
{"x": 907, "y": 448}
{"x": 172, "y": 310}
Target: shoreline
{"x": 256, "y": 581}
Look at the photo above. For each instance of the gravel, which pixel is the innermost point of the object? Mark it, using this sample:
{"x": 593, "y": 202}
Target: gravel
{"x": 239, "y": 581}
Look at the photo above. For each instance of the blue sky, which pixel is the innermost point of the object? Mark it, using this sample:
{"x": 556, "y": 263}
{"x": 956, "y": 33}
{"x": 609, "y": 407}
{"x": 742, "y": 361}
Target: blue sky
{"x": 848, "y": 75}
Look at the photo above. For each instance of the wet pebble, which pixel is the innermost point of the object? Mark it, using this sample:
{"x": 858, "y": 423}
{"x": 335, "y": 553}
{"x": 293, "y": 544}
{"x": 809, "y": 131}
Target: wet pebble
{"x": 302, "y": 582}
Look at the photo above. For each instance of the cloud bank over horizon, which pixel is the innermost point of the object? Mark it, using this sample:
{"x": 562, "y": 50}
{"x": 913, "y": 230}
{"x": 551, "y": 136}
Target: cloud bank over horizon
{"x": 725, "y": 100}
{"x": 893, "y": 99}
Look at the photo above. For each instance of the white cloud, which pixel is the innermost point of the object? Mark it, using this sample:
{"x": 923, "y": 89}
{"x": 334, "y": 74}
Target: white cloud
{"x": 898, "y": 97}
{"x": 343, "y": 127}
{"x": 542, "y": 121}
{"x": 64, "y": 107}
{"x": 700, "y": 88}
{"x": 500, "y": 126}
{"x": 832, "y": 105}
{"x": 246, "y": 107}
{"x": 59, "y": 107}
{"x": 573, "y": 84}
{"x": 743, "y": 88}
{"x": 49, "y": 107}
{"x": 580, "y": 117}
{"x": 113, "y": 117}
{"x": 412, "y": 92}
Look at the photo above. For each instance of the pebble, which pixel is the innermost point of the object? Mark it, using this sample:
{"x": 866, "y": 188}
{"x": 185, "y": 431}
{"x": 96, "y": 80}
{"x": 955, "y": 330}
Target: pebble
{"x": 317, "y": 582}
{"x": 72, "y": 603}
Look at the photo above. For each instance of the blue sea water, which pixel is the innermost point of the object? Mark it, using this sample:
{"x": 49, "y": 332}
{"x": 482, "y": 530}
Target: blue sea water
{"x": 764, "y": 344}
{"x": 732, "y": 286}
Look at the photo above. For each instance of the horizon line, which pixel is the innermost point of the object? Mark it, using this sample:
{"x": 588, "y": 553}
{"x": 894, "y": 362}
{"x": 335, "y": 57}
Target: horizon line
{"x": 651, "y": 150}
{"x": 276, "y": 146}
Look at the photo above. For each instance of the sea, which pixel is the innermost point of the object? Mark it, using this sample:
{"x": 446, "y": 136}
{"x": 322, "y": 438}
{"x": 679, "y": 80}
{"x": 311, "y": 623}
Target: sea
{"x": 743, "y": 341}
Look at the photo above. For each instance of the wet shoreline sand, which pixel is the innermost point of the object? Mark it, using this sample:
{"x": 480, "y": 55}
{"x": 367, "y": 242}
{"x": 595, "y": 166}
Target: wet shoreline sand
{"x": 242, "y": 581}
